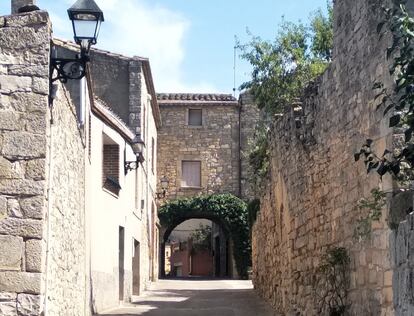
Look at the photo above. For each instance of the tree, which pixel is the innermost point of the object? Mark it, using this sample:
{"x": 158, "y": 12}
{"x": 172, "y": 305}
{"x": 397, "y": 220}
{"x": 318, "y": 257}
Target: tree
{"x": 282, "y": 68}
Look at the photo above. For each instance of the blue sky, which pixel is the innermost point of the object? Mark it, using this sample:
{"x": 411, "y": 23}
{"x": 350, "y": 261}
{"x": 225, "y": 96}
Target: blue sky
{"x": 189, "y": 42}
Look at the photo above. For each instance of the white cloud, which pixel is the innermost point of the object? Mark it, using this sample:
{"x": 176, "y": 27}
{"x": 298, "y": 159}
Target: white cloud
{"x": 136, "y": 27}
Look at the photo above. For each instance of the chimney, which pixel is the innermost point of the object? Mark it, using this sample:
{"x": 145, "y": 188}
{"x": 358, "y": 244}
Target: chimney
{"x": 17, "y": 5}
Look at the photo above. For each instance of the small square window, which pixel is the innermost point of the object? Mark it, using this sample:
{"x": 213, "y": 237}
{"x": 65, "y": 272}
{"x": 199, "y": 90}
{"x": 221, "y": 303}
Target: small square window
{"x": 195, "y": 117}
{"x": 191, "y": 174}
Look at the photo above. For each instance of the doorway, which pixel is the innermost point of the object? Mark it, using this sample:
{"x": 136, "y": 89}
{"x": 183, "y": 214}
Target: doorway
{"x": 135, "y": 269}
{"x": 217, "y": 259}
{"x": 121, "y": 262}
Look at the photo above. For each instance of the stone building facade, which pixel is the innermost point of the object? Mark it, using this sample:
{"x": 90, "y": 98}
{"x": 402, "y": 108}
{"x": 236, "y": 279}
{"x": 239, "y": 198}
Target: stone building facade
{"x": 213, "y": 142}
{"x": 200, "y": 151}
{"x": 310, "y": 202}
{"x": 60, "y": 225}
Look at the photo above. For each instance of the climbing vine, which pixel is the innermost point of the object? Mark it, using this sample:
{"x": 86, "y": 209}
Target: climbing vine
{"x": 398, "y": 103}
{"x": 332, "y": 282}
{"x": 372, "y": 211}
{"x": 398, "y": 100}
{"x": 225, "y": 209}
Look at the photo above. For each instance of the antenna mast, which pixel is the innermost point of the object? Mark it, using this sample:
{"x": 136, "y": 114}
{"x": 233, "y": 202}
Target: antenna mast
{"x": 234, "y": 66}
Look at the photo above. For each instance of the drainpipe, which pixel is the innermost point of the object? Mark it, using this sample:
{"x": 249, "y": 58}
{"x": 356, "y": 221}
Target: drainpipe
{"x": 240, "y": 147}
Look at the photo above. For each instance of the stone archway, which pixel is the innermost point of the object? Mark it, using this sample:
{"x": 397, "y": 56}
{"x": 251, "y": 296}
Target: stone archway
{"x": 227, "y": 210}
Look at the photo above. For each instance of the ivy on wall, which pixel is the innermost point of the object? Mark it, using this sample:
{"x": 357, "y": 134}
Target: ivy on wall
{"x": 225, "y": 209}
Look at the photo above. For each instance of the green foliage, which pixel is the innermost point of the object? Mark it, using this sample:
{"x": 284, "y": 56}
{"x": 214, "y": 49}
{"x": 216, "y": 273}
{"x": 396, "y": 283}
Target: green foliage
{"x": 332, "y": 282}
{"x": 225, "y": 209}
{"x": 398, "y": 100}
{"x": 322, "y": 34}
{"x": 282, "y": 68}
{"x": 201, "y": 238}
{"x": 374, "y": 207}
{"x": 259, "y": 157}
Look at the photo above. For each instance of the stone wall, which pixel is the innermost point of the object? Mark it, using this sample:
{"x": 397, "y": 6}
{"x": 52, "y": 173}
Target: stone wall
{"x": 41, "y": 179}
{"x": 24, "y": 71}
{"x": 215, "y": 144}
{"x": 402, "y": 259}
{"x": 66, "y": 287}
{"x": 249, "y": 116}
{"x": 310, "y": 203}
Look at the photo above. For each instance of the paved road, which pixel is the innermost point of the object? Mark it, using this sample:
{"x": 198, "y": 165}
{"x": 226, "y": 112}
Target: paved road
{"x": 197, "y": 298}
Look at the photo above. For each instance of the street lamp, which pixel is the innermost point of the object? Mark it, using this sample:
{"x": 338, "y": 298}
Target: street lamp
{"x": 164, "y": 186}
{"x": 138, "y": 146}
{"x": 86, "y": 19}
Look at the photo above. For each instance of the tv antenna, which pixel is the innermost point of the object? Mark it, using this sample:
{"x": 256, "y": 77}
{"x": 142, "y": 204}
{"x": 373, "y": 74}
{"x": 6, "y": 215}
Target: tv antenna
{"x": 234, "y": 66}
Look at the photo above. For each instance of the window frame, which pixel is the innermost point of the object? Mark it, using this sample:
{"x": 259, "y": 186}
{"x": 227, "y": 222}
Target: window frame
{"x": 188, "y": 117}
{"x": 200, "y": 174}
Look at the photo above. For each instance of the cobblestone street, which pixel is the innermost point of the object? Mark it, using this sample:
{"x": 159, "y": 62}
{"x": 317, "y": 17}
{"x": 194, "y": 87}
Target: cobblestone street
{"x": 197, "y": 298}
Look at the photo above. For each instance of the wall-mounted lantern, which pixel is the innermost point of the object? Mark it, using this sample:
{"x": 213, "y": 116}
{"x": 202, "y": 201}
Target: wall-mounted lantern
{"x": 138, "y": 146}
{"x": 164, "y": 186}
{"x": 86, "y": 19}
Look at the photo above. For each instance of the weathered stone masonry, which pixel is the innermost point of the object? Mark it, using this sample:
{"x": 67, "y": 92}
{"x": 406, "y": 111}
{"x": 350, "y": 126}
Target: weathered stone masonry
{"x": 310, "y": 203}
{"x": 41, "y": 212}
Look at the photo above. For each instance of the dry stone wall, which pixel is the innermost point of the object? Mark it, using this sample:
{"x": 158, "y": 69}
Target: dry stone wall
{"x": 310, "y": 203}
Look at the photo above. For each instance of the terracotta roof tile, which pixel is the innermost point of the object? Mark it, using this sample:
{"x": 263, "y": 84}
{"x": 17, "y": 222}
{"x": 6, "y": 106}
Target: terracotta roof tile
{"x": 180, "y": 98}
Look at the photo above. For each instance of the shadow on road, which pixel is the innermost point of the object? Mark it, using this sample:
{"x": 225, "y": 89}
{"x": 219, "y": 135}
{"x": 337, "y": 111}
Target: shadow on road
{"x": 197, "y": 302}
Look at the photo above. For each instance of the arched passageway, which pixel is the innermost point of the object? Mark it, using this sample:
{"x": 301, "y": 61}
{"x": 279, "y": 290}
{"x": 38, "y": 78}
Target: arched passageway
{"x": 226, "y": 210}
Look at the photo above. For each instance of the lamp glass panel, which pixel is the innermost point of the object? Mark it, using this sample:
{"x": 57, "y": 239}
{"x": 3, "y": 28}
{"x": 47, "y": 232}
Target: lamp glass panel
{"x": 164, "y": 183}
{"x": 84, "y": 29}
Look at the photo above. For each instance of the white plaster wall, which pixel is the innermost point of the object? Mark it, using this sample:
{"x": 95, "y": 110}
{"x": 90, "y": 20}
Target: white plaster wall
{"x": 108, "y": 213}
{"x": 149, "y": 182}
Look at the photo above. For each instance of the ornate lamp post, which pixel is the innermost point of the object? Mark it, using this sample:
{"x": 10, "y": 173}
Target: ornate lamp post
{"x": 86, "y": 19}
{"x": 164, "y": 186}
{"x": 138, "y": 148}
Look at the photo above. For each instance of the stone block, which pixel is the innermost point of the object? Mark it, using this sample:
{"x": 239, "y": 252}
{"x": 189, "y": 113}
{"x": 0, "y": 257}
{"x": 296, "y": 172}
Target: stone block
{"x": 8, "y": 309}
{"x": 22, "y": 39}
{"x": 40, "y": 85}
{"x": 13, "y": 247}
{"x": 9, "y": 170}
{"x": 3, "y": 207}
{"x": 36, "y": 123}
{"x": 35, "y": 169}
{"x": 23, "y": 145}
{"x": 10, "y": 121}
{"x": 29, "y": 70}
{"x": 21, "y": 187}
{"x": 33, "y": 207}
{"x": 34, "y": 255}
{"x": 388, "y": 277}
{"x": 9, "y": 84}
{"x": 4, "y": 296}
{"x": 29, "y": 305}
{"x": 28, "y": 102}
{"x": 27, "y": 228}
{"x": 20, "y": 282}
{"x": 13, "y": 208}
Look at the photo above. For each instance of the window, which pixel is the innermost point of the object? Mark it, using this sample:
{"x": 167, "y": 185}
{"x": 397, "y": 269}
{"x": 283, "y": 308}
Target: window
{"x": 110, "y": 168}
{"x": 195, "y": 117}
{"x": 191, "y": 174}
